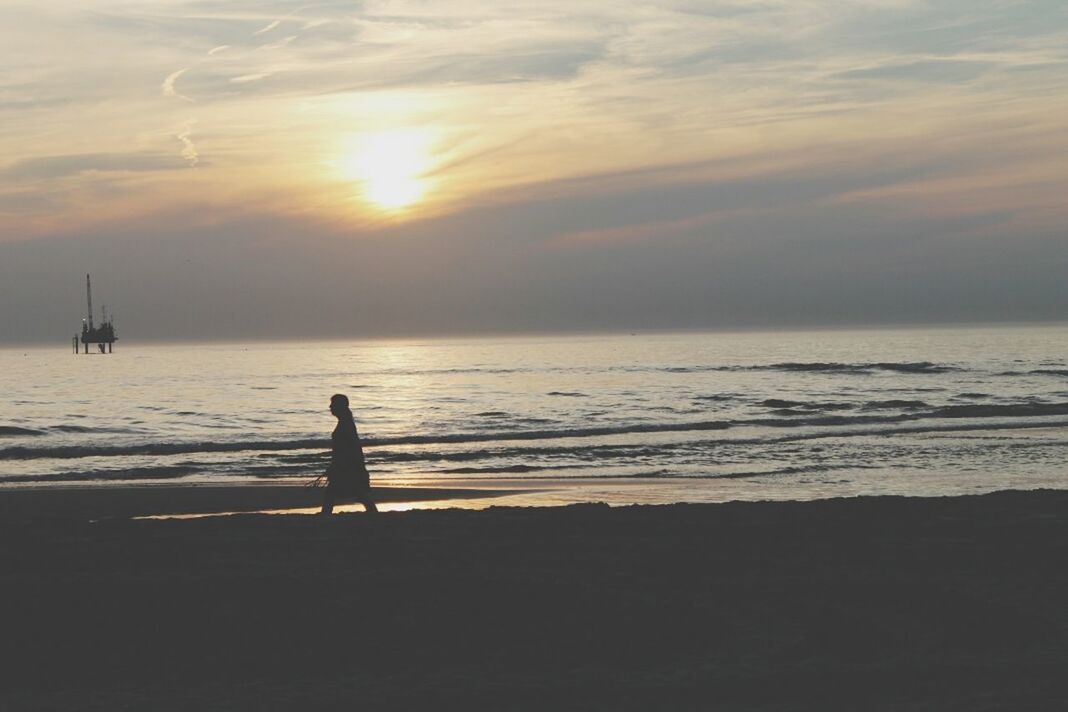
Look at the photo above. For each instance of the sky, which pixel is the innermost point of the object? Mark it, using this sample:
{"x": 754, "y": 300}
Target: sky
{"x": 275, "y": 169}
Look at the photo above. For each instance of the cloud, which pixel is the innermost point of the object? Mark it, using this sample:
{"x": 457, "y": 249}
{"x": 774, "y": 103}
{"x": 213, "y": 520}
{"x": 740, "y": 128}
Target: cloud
{"x": 189, "y": 150}
{"x": 56, "y": 167}
{"x": 168, "y": 84}
{"x": 270, "y": 26}
{"x": 657, "y": 141}
{"x": 934, "y": 70}
{"x": 247, "y": 78}
{"x": 280, "y": 44}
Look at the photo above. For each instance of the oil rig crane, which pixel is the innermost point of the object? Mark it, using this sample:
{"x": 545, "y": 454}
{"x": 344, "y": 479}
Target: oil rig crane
{"x": 104, "y": 335}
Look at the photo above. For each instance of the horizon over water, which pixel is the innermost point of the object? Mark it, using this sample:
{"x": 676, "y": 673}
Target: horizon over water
{"x": 650, "y": 417}
{"x": 725, "y": 330}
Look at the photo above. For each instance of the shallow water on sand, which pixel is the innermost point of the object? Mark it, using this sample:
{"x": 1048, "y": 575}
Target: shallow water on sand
{"x": 646, "y": 417}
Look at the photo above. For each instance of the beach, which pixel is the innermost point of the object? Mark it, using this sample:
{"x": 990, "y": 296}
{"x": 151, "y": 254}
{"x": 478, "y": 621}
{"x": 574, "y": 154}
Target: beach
{"x": 533, "y": 357}
{"x": 874, "y": 603}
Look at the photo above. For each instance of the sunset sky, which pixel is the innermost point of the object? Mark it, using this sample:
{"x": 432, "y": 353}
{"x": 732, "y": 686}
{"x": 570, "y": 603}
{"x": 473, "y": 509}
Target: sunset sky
{"x": 274, "y": 169}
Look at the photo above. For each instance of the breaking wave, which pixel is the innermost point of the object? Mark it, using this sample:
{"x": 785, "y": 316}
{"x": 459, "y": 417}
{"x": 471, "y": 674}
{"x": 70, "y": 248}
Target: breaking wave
{"x": 792, "y": 418}
{"x": 821, "y": 367}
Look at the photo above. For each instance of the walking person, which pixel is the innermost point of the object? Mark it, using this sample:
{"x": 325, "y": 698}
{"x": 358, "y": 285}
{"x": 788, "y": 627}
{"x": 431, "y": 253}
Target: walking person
{"x": 347, "y": 476}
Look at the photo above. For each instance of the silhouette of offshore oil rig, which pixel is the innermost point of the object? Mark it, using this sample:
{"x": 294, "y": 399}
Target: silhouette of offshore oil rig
{"x": 104, "y": 335}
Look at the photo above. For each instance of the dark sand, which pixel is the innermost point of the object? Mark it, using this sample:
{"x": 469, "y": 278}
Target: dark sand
{"x": 861, "y": 604}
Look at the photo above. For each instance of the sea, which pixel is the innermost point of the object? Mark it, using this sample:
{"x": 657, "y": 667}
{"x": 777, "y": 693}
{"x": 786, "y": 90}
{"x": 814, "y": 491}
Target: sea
{"x": 620, "y": 418}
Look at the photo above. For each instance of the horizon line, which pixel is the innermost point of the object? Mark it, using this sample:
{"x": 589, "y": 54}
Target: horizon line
{"x": 566, "y": 332}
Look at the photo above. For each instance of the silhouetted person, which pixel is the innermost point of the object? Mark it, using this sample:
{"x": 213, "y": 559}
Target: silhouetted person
{"x": 347, "y": 476}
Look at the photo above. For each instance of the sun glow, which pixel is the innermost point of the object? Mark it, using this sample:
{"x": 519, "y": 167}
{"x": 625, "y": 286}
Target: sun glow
{"x": 391, "y": 165}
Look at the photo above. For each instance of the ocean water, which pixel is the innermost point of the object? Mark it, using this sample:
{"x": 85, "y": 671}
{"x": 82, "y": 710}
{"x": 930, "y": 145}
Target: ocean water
{"x": 642, "y": 417}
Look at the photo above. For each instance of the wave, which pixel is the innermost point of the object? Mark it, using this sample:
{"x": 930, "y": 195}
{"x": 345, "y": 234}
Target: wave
{"x": 915, "y": 367}
{"x": 791, "y": 419}
{"x": 979, "y": 411}
{"x": 1036, "y": 372}
{"x": 593, "y": 453}
{"x": 822, "y": 420}
{"x": 14, "y": 430}
{"x": 87, "y": 429}
{"x": 1016, "y": 410}
{"x": 134, "y": 473}
{"x": 815, "y": 406}
{"x": 447, "y": 371}
{"x": 497, "y": 469}
{"x": 908, "y": 367}
{"x": 580, "y": 456}
{"x": 79, "y": 451}
{"x": 778, "y": 403}
{"x": 912, "y": 429}
{"x": 64, "y": 452}
{"x": 790, "y": 470}
{"x": 556, "y": 434}
{"x": 912, "y": 367}
{"x": 72, "y": 428}
{"x": 894, "y": 404}
{"x": 668, "y": 474}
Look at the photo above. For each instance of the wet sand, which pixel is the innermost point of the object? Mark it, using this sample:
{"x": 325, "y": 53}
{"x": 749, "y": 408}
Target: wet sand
{"x": 853, "y": 604}
{"x": 84, "y": 504}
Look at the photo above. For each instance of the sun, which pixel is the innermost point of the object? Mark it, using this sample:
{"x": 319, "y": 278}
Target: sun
{"x": 391, "y": 166}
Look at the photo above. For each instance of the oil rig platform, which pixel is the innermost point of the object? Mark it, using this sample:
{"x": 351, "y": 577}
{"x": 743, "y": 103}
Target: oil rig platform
{"x": 104, "y": 335}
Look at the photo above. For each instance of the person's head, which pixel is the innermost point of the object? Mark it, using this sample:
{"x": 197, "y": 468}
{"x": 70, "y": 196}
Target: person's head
{"x": 339, "y": 405}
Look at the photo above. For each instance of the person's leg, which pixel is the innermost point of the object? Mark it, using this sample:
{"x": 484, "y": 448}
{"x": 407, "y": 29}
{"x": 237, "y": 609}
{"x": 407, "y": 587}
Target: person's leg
{"x": 328, "y": 502}
{"x": 368, "y": 503}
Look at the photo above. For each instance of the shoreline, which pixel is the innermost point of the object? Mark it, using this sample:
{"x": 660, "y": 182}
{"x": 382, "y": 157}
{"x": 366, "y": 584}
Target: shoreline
{"x": 27, "y": 505}
{"x": 87, "y": 504}
{"x": 875, "y": 603}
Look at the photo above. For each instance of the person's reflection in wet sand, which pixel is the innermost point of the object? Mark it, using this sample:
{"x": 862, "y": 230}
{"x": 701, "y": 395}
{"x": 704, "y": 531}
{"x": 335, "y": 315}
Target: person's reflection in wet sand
{"x": 347, "y": 476}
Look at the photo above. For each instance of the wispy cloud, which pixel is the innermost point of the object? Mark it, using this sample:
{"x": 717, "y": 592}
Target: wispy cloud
{"x": 189, "y": 149}
{"x": 168, "y": 85}
{"x": 63, "y": 166}
{"x": 285, "y": 41}
{"x": 524, "y": 97}
{"x": 270, "y": 26}
{"x": 248, "y": 78}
